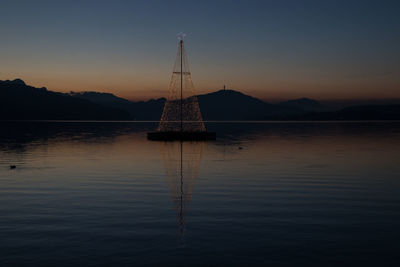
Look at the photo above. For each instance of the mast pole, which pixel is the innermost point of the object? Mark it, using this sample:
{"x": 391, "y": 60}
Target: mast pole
{"x": 181, "y": 208}
{"x": 181, "y": 44}
{"x": 181, "y": 200}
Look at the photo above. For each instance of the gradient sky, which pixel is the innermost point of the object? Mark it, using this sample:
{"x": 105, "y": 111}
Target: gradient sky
{"x": 323, "y": 49}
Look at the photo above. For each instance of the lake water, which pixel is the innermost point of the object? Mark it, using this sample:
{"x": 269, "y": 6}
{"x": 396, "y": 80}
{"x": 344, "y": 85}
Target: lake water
{"x": 274, "y": 193}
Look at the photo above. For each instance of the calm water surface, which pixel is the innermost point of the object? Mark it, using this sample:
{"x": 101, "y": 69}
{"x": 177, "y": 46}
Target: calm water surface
{"x": 279, "y": 194}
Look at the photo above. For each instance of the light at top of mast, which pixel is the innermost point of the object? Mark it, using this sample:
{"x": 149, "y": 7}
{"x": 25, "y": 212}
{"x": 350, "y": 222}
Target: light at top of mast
{"x": 181, "y": 36}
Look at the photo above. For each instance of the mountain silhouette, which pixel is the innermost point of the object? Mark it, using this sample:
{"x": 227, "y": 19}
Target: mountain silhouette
{"x": 234, "y": 105}
{"x": 363, "y": 112}
{"x": 304, "y": 104}
{"x": 220, "y": 105}
{"x": 19, "y": 101}
{"x": 141, "y": 110}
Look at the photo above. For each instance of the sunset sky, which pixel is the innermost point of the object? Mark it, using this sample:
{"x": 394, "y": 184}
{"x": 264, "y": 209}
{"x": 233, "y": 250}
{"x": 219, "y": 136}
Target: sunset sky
{"x": 279, "y": 49}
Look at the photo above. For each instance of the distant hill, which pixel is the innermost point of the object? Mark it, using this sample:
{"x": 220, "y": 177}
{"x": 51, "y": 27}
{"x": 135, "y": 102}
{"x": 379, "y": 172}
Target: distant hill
{"x": 304, "y": 104}
{"x": 234, "y": 105}
{"x": 365, "y": 112}
{"x": 220, "y": 105}
{"x": 23, "y": 102}
{"x": 141, "y": 110}
{"x": 106, "y": 99}
{"x": 20, "y": 101}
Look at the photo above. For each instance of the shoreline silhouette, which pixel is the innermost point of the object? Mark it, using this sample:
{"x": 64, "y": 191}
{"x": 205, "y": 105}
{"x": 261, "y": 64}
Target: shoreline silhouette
{"x": 23, "y": 102}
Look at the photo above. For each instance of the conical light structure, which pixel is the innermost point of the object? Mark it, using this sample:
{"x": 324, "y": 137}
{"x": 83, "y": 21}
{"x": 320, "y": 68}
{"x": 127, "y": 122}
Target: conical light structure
{"x": 181, "y": 111}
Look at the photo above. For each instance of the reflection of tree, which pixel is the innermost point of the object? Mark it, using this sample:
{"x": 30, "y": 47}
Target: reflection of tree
{"x": 181, "y": 162}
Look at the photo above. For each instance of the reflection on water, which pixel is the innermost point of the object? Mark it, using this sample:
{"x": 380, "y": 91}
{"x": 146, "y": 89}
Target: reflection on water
{"x": 98, "y": 193}
{"x": 181, "y": 161}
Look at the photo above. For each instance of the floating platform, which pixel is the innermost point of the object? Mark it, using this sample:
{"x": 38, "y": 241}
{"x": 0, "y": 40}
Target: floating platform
{"x": 181, "y": 136}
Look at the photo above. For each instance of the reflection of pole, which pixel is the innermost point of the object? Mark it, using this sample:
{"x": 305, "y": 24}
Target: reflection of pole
{"x": 181, "y": 210}
{"x": 181, "y": 43}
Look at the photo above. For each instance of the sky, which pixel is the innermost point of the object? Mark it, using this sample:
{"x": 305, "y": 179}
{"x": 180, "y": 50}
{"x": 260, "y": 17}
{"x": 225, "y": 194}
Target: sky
{"x": 322, "y": 49}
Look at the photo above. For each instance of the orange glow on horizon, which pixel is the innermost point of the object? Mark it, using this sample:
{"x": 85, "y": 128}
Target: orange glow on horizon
{"x": 140, "y": 91}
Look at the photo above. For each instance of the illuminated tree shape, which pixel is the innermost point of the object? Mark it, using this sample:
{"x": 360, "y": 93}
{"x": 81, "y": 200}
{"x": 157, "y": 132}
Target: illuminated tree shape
{"x": 181, "y": 111}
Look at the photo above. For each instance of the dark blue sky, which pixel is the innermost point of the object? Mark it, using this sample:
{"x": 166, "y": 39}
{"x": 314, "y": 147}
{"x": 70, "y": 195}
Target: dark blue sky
{"x": 270, "y": 49}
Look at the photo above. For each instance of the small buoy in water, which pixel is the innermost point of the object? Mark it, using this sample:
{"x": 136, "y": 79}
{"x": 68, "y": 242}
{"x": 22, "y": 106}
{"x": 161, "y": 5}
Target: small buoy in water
{"x": 13, "y": 166}
{"x": 240, "y": 147}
